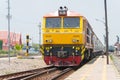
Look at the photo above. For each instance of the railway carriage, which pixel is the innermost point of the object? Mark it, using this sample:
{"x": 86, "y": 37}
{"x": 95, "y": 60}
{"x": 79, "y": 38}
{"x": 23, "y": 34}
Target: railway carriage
{"x": 67, "y": 38}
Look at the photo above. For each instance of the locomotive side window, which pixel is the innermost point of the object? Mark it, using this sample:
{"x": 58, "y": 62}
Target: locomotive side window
{"x": 53, "y": 22}
{"x": 88, "y": 39}
{"x": 71, "y": 22}
{"x": 88, "y": 35}
{"x": 88, "y": 32}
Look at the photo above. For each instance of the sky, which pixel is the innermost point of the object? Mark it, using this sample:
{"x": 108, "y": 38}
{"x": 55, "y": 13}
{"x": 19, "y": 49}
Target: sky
{"x": 26, "y": 16}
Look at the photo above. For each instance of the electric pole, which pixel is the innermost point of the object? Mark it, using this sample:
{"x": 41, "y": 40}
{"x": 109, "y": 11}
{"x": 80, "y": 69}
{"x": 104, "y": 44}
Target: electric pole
{"x": 39, "y": 35}
{"x": 106, "y": 25}
{"x": 8, "y": 17}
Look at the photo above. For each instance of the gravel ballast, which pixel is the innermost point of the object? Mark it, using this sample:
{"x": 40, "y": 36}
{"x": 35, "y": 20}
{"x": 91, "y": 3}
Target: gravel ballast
{"x": 17, "y": 65}
{"x": 116, "y": 61}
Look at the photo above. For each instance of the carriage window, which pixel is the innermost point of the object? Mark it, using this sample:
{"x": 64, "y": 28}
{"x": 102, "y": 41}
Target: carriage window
{"x": 53, "y": 22}
{"x": 71, "y": 22}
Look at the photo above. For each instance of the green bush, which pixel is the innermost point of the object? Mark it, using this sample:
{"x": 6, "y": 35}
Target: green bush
{"x": 3, "y": 52}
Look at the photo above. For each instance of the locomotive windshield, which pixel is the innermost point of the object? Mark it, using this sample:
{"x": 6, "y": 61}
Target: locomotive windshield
{"x": 70, "y": 22}
{"x": 53, "y": 22}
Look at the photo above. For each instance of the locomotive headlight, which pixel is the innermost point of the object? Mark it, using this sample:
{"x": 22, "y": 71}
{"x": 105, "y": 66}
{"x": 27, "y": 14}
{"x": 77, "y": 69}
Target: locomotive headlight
{"x": 75, "y": 40}
{"x": 48, "y": 51}
{"x": 49, "y": 41}
{"x": 47, "y": 48}
{"x": 73, "y": 47}
{"x": 62, "y": 11}
{"x": 76, "y": 50}
{"x": 50, "y": 47}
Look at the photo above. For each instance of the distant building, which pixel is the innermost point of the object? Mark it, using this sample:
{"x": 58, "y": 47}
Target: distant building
{"x": 15, "y": 38}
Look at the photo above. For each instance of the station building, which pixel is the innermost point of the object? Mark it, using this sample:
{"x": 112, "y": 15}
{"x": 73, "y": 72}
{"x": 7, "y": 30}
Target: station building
{"x": 15, "y": 38}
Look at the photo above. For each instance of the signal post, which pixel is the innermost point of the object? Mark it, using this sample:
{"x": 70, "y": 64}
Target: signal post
{"x": 27, "y": 45}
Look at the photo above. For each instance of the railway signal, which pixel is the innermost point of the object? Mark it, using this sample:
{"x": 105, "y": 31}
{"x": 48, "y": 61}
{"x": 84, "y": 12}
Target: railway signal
{"x": 27, "y": 45}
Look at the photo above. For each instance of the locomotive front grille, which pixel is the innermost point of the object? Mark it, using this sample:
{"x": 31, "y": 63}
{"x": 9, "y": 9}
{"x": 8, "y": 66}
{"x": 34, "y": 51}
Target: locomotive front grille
{"x": 62, "y": 54}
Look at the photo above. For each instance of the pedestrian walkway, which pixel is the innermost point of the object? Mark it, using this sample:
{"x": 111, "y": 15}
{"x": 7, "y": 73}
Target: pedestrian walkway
{"x": 96, "y": 69}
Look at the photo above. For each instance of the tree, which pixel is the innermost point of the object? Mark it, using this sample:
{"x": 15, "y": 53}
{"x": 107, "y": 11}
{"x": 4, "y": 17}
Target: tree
{"x": 18, "y": 47}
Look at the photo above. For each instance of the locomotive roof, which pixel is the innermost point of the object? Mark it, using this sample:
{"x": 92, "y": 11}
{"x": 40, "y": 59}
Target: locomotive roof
{"x": 55, "y": 14}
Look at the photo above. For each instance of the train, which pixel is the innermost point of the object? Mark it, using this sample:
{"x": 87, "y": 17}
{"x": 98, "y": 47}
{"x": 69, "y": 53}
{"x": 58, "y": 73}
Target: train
{"x": 67, "y": 38}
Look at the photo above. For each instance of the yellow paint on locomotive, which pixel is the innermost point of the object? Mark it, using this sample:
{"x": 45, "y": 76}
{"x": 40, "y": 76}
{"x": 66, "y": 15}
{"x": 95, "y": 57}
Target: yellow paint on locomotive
{"x": 63, "y": 35}
{"x": 62, "y": 38}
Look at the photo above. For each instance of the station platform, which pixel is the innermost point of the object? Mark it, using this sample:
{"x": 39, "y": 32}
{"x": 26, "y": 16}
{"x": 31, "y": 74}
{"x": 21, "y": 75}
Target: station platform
{"x": 96, "y": 69}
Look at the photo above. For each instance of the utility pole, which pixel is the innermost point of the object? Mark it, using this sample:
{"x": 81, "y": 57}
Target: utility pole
{"x": 106, "y": 24}
{"x": 39, "y": 35}
{"x": 8, "y": 17}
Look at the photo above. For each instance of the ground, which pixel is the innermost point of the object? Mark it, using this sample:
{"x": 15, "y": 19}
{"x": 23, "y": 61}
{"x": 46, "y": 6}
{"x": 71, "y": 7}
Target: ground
{"x": 17, "y": 65}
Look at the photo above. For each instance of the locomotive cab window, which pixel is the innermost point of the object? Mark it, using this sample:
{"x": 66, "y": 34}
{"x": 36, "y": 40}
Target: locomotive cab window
{"x": 71, "y": 22}
{"x": 53, "y": 22}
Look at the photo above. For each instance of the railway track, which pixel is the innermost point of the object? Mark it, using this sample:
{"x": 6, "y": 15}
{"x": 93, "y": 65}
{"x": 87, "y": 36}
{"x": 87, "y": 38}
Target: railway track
{"x": 23, "y": 73}
{"x": 46, "y": 73}
{"x": 63, "y": 74}
{"x": 49, "y": 75}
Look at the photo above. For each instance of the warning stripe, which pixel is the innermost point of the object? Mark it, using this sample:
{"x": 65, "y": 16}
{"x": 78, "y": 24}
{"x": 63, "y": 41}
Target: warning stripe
{"x": 82, "y": 47}
{"x": 83, "y": 51}
{"x": 41, "y": 49}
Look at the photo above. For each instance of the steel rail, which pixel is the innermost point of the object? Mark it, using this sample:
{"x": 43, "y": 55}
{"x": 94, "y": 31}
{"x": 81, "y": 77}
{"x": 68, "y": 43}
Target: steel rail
{"x": 61, "y": 73}
{"x": 30, "y": 76}
{"x": 38, "y": 74}
{"x": 23, "y": 72}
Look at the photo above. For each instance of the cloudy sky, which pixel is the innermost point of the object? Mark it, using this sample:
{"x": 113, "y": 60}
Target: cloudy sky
{"x": 27, "y": 14}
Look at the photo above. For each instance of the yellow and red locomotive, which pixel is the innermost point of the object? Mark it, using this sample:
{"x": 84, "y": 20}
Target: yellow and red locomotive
{"x": 67, "y": 38}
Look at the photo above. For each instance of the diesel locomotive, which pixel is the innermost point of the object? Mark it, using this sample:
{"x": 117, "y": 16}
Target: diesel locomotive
{"x": 68, "y": 38}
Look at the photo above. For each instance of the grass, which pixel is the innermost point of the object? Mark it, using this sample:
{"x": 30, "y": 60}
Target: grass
{"x": 4, "y": 53}
{"x": 111, "y": 57}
